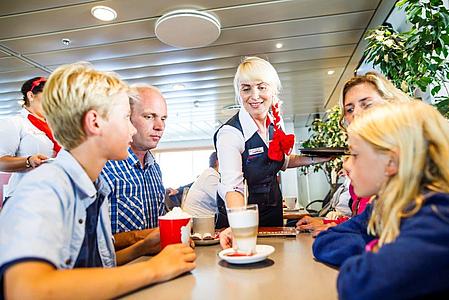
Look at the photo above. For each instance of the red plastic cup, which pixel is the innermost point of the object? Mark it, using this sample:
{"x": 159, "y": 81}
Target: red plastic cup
{"x": 174, "y": 231}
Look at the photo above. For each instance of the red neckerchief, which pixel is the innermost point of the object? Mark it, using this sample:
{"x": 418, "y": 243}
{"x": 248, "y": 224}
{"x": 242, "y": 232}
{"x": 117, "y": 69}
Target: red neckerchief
{"x": 43, "y": 126}
{"x": 281, "y": 144}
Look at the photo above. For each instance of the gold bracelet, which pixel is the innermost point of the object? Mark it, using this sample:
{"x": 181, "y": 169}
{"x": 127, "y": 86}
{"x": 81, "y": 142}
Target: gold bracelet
{"x": 27, "y": 162}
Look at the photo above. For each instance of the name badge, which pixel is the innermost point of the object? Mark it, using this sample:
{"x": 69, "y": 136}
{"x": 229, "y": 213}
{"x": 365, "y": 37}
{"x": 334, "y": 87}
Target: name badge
{"x": 255, "y": 151}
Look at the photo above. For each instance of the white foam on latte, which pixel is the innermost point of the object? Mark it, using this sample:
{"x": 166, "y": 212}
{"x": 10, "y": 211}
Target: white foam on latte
{"x": 175, "y": 214}
{"x": 243, "y": 218}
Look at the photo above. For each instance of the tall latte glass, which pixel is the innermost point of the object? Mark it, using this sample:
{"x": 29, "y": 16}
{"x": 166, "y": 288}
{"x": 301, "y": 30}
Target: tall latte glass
{"x": 244, "y": 222}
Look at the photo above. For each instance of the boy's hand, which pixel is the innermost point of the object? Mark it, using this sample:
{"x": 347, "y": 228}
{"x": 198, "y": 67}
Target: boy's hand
{"x": 173, "y": 260}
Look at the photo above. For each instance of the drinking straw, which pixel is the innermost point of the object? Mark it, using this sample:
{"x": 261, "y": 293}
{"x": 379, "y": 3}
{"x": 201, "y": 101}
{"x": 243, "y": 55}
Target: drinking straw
{"x": 245, "y": 192}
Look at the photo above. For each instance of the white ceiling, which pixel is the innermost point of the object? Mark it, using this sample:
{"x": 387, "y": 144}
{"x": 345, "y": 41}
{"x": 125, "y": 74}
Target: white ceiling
{"x": 317, "y": 36}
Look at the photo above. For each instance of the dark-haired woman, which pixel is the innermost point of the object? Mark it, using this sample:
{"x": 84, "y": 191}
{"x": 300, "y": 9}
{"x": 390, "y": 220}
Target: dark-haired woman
{"x": 26, "y": 139}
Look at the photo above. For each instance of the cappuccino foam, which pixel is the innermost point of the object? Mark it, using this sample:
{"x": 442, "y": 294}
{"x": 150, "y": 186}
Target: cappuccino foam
{"x": 175, "y": 214}
{"x": 243, "y": 218}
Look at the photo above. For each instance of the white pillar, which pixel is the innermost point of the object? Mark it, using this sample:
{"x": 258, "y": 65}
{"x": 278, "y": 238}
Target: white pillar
{"x": 289, "y": 182}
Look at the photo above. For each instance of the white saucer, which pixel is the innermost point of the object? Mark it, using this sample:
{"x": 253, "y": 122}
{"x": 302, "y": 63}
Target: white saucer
{"x": 207, "y": 242}
{"x": 262, "y": 252}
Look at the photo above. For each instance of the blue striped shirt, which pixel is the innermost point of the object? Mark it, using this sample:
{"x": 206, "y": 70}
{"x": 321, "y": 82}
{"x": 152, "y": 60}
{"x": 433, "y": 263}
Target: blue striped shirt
{"x": 137, "y": 194}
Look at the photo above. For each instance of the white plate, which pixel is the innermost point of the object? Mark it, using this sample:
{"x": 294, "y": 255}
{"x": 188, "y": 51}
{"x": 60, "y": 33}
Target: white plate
{"x": 262, "y": 252}
{"x": 207, "y": 242}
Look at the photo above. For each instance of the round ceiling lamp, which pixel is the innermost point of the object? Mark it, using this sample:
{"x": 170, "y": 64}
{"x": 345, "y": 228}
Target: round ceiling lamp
{"x": 187, "y": 28}
{"x": 230, "y": 109}
{"x": 103, "y": 13}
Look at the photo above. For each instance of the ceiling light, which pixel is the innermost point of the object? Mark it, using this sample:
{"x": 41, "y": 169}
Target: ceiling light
{"x": 66, "y": 42}
{"x": 279, "y": 45}
{"x": 103, "y": 13}
{"x": 187, "y": 28}
{"x": 178, "y": 87}
{"x": 232, "y": 107}
{"x": 330, "y": 72}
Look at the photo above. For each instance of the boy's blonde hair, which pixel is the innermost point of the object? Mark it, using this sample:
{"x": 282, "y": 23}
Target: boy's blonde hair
{"x": 254, "y": 68}
{"x": 419, "y": 136}
{"x": 386, "y": 90}
{"x": 71, "y": 91}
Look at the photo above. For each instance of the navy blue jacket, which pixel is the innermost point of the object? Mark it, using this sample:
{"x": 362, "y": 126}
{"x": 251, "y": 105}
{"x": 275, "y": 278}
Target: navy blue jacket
{"x": 414, "y": 266}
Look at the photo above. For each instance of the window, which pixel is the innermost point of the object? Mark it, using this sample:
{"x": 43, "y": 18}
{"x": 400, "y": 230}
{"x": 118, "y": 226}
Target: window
{"x": 182, "y": 167}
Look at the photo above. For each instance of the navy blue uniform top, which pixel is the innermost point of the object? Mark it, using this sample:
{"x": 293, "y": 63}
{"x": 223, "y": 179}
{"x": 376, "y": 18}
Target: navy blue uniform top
{"x": 260, "y": 173}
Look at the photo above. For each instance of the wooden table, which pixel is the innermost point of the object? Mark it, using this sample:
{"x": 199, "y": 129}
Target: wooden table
{"x": 295, "y": 214}
{"x": 289, "y": 273}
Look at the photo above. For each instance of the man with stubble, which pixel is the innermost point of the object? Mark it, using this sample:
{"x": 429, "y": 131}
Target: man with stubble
{"x": 137, "y": 193}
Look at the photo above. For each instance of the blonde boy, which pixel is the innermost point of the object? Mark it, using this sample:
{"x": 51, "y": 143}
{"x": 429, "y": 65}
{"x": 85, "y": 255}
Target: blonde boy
{"x": 56, "y": 223}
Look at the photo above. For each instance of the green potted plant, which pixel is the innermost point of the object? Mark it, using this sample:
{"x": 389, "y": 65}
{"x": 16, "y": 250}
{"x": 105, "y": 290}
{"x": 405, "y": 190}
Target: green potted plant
{"x": 417, "y": 58}
{"x": 326, "y": 132}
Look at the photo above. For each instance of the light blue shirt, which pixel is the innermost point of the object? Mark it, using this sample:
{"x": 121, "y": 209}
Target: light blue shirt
{"x": 45, "y": 218}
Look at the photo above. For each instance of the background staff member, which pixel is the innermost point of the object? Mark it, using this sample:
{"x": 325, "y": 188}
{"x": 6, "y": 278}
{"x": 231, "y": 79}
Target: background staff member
{"x": 252, "y": 146}
{"x": 358, "y": 94}
{"x": 26, "y": 139}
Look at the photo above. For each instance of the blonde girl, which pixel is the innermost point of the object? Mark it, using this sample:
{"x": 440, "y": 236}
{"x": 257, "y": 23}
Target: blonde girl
{"x": 384, "y": 251}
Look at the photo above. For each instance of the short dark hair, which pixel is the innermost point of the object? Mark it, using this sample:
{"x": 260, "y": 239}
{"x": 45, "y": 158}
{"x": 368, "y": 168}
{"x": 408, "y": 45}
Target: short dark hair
{"x": 34, "y": 85}
{"x": 213, "y": 159}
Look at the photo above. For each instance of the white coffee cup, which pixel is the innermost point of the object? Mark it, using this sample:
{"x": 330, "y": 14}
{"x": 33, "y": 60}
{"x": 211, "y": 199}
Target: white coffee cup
{"x": 244, "y": 222}
{"x": 290, "y": 202}
{"x": 204, "y": 224}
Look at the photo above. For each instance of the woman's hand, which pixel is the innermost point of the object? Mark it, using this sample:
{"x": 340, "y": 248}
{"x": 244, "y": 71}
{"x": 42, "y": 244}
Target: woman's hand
{"x": 295, "y": 160}
{"x": 36, "y": 160}
{"x": 323, "y": 227}
{"x": 318, "y": 160}
{"x": 309, "y": 223}
{"x": 226, "y": 238}
{"x": 11, "y": 164}
{"x": 313, "y": 225}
